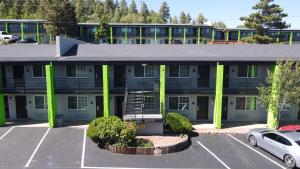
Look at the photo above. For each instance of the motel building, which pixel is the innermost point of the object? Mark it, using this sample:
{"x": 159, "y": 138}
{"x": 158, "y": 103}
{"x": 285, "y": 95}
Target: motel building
{"x": 141, "y": 70}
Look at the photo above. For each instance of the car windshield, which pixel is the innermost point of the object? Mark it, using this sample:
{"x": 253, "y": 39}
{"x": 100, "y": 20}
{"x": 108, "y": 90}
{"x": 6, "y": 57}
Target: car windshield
{"x": 4, "y": 33}
{"x": 298, "y": 142}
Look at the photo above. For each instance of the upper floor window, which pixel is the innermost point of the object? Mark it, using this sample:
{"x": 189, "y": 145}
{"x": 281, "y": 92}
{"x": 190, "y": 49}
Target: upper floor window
{"x": 38, "y": 71}
{"x": 249, "y": 71}
{"x": 40, "y": 102}
{"x": 76, "y": 71}
{"x": 77, "y": 102}
{"x": 179, "y": 71}
{"x": 246, "y": 103}
{"x": 179, "y": 103}
{"x": 144, "y": 71}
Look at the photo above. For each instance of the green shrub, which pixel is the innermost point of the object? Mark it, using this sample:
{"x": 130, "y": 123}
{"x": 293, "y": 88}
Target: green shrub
{"x": 178, "y": 123}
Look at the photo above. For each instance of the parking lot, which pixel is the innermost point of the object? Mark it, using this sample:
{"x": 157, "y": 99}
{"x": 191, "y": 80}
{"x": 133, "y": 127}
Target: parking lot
{"x": 60, "y": 148}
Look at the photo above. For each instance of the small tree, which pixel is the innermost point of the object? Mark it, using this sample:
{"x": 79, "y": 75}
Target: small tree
{"x": 282, "y": 87}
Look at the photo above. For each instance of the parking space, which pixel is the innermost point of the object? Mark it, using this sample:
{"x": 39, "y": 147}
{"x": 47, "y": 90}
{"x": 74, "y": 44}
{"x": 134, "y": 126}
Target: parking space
{"x": 18, "y": 145}
{"x": 3, "y": 131}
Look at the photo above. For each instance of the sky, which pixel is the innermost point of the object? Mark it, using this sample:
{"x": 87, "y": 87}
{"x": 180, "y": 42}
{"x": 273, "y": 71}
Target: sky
{"x": 227, "y": 11}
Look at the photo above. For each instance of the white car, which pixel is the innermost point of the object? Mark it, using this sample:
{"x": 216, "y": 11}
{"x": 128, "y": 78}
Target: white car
{"x": 7, "y": 37}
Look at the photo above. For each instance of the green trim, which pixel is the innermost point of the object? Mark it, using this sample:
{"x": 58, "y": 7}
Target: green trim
{"x": 126, "y": 35}
{"x": 155, "y": 35}
{"x": 227, "y": 36}
{"x": 199, "y": 36}
{"x": 6, "y": 27}
{"x": 252, "y": 69}
{"x": 111, "y": 35}
{"x": 272, "y": 121}
{"x": 141, "y": 35}
{"x": 50, "y": 37}
{"x": 22, "y": 30}
{"x": 219, "y": 96}
{"x": 291, "y": 38}
{"x": 162, "y": 89}
{"x": 38, "y": 37}
{"x": 2, "y": 108}
{"x": 277, "y": 39}
{"x": 213, "y": 36}
{"x": 252, "y": 103}
{"x": 106, "y": 97}
{"x": 184, "y": 35}
{"x": 51, "y": 98}
{"x": 170, "y": 35}
{"x": 239, "y": 35}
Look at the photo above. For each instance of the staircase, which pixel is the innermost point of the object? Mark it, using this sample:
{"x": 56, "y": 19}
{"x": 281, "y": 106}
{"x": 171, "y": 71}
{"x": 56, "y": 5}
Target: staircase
{"x": 134, "y": 103}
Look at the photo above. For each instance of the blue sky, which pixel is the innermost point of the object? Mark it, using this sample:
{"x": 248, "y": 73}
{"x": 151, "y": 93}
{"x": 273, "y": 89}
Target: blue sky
{"x": 228, "y": 11}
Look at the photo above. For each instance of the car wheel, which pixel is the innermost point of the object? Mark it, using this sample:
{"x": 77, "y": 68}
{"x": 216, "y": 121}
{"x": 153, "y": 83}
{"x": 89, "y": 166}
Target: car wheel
{"x": 252, "y": 140}
{"x": 289, "y": 161}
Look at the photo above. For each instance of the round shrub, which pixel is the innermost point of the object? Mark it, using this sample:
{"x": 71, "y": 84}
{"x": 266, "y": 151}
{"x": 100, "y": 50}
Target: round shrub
{"x": 178, "y": 123}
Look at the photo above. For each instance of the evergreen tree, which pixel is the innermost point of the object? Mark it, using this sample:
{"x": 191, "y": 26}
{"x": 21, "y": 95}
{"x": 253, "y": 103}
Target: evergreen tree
{"x": 174, "y": 20}
{"x": 267, "y": 16}
{"x": 16, "y": 11}
{"x": 123, "y": 8}
{"x": 144, "y": 12}
{"x": 133, "y": 8}
{"x": 28, "y": 9}
{"x": 201, "y": 19}
{"x": 80, "y": 10}
{"x": 3, "y": 9}
{"x": 188, "y": 18}
{"x": 164, "y": 12}
{"x": 219, "y": 24}
{"x": 182, "y": 18}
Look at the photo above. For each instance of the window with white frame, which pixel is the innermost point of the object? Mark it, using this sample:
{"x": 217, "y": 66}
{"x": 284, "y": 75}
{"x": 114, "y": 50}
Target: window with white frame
{"x": 179, "y": 103}
{"x": 40, "y": 102}
{"x": 77, "y": 102}
{"x": 149, "y": 102}
{"x": 179, "y": 71}
{"x": 248, "y": 71}
{"x": 76, "y": 71}
{"x": 38, "y": 71}
{"x": 246, "y": 103}
{"x": 144, "y": 71}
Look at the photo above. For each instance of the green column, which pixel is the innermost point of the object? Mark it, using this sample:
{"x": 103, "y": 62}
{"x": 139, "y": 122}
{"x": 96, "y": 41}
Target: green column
{"x": 227, "y": 36}
{"x": 155, "y": 35}
{"x": 6, "y": 27}
{"x": 291, "y": 38}
{"x": 50, "y": 38}
{"x": 2, "y": 108}
{"x": 199, "y": 36}
{"x": 277, "y": 39}
{"x": 219, "y": 96}
{"x": 170, "y": 35}
{"x": 81, "y": 32}
{"x": 239, "y": 35}
{"x": 51, "y": 98}
{"x": 22, "y": 30}
{"x": 38, "y": 38}
{"x": 213, "y": 36}
{"x": 162, "y": 89}
{"x": 106, "y": 97}
{"x": 126, "y": 35}
{"x": 184, "y": 35}
{"x": 272, "y": 121}
{"x": 111, "y": 35}
{"x": 141, "y": 35}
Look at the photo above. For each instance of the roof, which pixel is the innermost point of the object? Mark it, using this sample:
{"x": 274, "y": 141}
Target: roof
{"x": 152, "y": 53}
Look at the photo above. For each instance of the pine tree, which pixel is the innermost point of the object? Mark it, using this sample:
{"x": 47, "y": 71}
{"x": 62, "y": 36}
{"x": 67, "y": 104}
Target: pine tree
{"x": 201, "y": 19}
{"x": 133, "y": 8}
{"x": 174, "y": 20}
{"x": 16, "y": 11}
{"x": 123, "y": 8}
{"x": 3, "y": 9}
{"x": 267, "y": 16}
{"x": 28, "y": 9}
{"x": 182, "y": 18}
{"x": 188, "y": 18}
{"x": 80, "y": 10}
{"x": 219, "y": 24}
{"x": 144, "y": 12}
{"x": 164, "y": 12}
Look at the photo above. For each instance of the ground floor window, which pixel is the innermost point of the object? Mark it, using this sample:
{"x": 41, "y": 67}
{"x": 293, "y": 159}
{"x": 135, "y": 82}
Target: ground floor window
{"x": 77, "y": 102}
{"x": 179, "y": 103}
{"x": 246, "y": 103}
{"x": 149, "y": 102}
{"x": 40, "y": 102}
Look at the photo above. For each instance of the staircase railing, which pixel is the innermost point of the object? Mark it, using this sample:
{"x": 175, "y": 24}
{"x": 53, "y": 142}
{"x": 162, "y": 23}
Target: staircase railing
{"x": 125, "y": 100}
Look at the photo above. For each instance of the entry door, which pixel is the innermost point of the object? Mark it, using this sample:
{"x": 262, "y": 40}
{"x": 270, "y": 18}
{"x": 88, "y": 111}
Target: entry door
{"x": 203, "y": 76}
{"x": 119, "y": 106}
{"x": 6, "y": 107}
{"x": 21, "y": 107}
{"x": 202, "y": 107}
{"x": 99, "y": 106}
{"x": 224, "y": 107}
{"x": 98, "y": 76}
{"x": 226, "y": 76}
{"x": 119, "y": 75}
{"x": 18, "y": 74}
{"x": 3, "y": 76}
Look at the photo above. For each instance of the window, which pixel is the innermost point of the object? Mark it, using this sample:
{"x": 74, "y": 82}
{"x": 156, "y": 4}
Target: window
{"x": 144, "y": 71}
{"x": 246, "y": 103}
{"x": 250, "y": 71}
{"x": 298, "y": 142}
{"x": 38, "y": 71}
{"x": 149, "y": 102}
{"x": 283, "y": 140}
{"x": 76, "y": 71}
{"x": 77, "y": 102}
{"x": 40, "y": 102}
{"x": 271, "y": 136}
{"x": 179, "y": 71}
{"x": 179, "y": 103}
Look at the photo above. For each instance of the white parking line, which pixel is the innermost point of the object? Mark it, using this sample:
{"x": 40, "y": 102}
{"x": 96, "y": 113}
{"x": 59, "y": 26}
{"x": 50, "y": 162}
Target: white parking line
{"x": 36, "y": 149}
{"x": 83, "y": 150}
{"x": 9, "y": 130}
{"x": 239, "y": 141}
{"x": 214, "y": 155}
